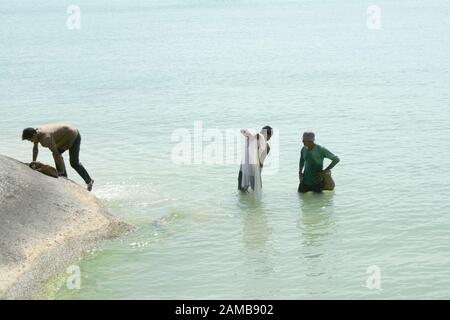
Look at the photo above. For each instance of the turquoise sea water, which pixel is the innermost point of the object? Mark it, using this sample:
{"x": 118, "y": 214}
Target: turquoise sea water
{"x": 137, "y": 71}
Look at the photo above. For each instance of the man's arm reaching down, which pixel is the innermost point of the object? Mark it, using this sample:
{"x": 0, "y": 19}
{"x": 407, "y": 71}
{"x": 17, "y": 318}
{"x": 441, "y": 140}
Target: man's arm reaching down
{"x": 35, "y": 151}
{"x": 301, "y": 164}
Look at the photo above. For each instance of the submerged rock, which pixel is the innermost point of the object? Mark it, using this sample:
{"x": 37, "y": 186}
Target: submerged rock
{"x": 45, "y": 225}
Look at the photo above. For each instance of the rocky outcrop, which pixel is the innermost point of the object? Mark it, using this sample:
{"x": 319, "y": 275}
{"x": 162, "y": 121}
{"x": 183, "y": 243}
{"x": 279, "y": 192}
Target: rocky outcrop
{"x": 45, "y": 225}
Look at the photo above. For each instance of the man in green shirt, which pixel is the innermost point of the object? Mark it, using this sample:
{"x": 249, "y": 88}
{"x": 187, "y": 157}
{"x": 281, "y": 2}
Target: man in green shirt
{"x": 311, "y": 160}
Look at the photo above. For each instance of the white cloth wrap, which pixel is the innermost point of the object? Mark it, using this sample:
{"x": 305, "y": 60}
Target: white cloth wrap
{"x": 253, "y": 155}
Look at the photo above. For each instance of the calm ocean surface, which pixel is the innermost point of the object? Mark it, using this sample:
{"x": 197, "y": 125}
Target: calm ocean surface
{"x": 137, "y": 71}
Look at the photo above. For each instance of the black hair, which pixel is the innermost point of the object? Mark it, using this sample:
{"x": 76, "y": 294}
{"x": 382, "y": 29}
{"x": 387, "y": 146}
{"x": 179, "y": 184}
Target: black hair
{"x": 28, "y": 133}
{"x": 269, "y": 130}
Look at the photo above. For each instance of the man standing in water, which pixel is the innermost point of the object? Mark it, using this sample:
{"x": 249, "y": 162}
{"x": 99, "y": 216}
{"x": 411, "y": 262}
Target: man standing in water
{"x": 59, "y": 138}
{"x": 255, "y": 151}
{"x": 311, "y": 159}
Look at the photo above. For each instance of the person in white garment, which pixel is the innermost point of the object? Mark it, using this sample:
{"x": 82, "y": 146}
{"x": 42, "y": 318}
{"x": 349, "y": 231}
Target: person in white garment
{"x": 255, "y": 152}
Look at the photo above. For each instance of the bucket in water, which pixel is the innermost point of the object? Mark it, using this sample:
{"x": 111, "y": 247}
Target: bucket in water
{"x": 328, "y": 182}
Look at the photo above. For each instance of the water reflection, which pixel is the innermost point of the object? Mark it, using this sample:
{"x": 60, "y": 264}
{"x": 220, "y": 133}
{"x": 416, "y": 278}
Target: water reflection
{"x": 318, "y": 227}
{"x": 257, "y": 234}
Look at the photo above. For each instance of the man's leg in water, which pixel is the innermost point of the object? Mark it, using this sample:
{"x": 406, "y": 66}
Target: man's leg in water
{"x": 240, "y": 179}
{"x": 74, "y": 152}
{"x": 303, "y": 188}
{"x": 252, "y": 181}
{"x": 318, "y": 188}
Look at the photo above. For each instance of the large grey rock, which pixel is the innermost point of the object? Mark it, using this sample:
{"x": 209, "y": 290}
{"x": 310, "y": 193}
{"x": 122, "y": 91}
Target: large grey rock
{"x": 45, "y": 224}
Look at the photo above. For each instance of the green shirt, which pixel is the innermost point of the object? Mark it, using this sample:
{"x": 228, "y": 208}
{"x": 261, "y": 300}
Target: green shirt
{"x": 313, "y": 162}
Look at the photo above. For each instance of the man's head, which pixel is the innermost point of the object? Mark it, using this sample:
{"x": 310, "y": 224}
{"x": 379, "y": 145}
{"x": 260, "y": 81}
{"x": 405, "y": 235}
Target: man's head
{"x": 309, "y": 139}
{"x": 29, "y": 134}
{"x": 267, "y": 132}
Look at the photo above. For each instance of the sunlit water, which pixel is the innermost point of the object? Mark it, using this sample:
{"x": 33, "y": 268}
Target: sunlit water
{"x": 139, "y": 70}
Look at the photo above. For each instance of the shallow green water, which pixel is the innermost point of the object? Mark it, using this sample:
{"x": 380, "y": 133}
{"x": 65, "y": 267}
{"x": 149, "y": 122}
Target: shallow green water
{"x": 136, "y": 72}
